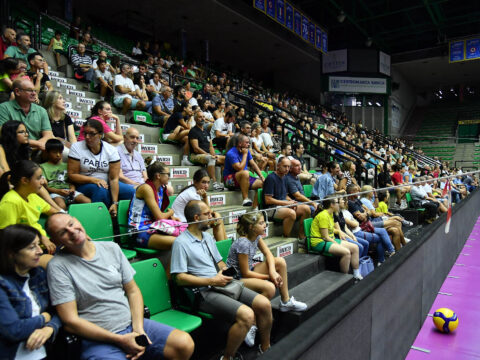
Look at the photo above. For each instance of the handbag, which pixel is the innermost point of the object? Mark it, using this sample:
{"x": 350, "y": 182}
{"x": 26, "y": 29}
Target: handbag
{"x": 167, "y": 226}
{"x": 233, "y": 289}
{"x": 367, "y": 226}
{"x": 365, "y": 265}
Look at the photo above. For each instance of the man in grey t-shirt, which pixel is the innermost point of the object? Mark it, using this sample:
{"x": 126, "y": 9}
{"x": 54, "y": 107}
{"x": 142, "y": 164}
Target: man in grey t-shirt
{"x": 92, "y": 286}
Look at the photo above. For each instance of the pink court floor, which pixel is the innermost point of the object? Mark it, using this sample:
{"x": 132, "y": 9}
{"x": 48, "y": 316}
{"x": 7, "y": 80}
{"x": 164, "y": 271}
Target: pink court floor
{"x": 461, "y": 293}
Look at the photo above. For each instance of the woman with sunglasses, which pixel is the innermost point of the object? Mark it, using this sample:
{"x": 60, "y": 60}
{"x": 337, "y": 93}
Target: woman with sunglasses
{"x": 149, "y": 205}
{"x": 94, "y": 166}
{"x": 26, "y": 320}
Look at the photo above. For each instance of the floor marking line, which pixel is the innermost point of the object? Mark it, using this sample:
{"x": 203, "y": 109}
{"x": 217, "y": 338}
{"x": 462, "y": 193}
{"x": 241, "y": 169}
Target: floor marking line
{"x": 420, "y": 349}
{"x": 444, "y": 293}
{"x": 453, "y": 277}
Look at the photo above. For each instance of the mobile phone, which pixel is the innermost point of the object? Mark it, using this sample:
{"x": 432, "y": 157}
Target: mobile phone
{"x": 230, "y": 272}
{"x": 142, "y": 340}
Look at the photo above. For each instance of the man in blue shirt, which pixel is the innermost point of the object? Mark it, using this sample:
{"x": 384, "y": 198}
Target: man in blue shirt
{"x": 235, "y": 173}
{"x": 275, "y": 194}
{"x": 196, "y": 262}
{"x": 326, "y": 184}
{"x": 294, "y": 186}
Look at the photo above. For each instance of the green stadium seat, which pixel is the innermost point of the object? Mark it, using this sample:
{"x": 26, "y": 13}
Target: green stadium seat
{"x": 153, "y": 283}
{"x": 223, "y": 247}
{"x": 308, "y": 189}
{"x": 143, "y": 118}
{"x": 97, "y": 222}
{"x": 307, "y": 224}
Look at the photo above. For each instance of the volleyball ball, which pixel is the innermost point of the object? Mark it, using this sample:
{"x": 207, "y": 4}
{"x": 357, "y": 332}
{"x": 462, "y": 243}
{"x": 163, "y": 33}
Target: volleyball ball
{"x": 445, "y": 320}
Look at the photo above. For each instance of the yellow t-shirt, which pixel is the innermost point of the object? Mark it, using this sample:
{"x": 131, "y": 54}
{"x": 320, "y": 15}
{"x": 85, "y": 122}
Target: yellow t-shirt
{"x": 382, "y": 207}
{"x": 324, "y": 220}
{"x": 15, "y": 210}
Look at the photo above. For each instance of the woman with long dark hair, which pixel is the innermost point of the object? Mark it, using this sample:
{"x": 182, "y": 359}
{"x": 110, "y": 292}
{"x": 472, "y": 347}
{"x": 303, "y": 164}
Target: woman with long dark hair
{"x": 22, "y": 205}
{"x": 13, "y": 144}
{"x": 149, "y": 205}
{"x": 26, "y": 318}
{"x": 8, "y": 67}
{"x": 198, "y": 191}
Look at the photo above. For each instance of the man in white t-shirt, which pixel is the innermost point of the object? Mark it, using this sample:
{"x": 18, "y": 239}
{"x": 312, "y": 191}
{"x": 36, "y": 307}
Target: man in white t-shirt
{"x": 125, "y": 94}
{"x": 222, "y": 130}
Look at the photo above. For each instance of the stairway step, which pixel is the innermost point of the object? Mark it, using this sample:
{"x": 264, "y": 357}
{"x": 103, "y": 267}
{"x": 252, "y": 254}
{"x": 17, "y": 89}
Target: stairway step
{"x": 301, "y": 267}
{"x": 316, "y": 292}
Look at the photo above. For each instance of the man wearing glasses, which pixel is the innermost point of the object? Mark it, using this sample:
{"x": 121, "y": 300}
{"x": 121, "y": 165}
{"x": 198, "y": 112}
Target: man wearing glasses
{"x": 24, "y": 109}
{"x": 197, "y": 263}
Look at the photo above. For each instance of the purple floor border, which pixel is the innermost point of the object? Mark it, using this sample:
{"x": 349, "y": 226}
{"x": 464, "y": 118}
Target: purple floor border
{"x": 463, "y": 283}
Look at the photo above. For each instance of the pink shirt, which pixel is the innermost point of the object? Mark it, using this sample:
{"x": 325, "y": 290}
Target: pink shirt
{"x": 106, "y": 128}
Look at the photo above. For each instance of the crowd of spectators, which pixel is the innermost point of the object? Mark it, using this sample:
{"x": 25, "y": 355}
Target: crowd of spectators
{"x": 45, "y": 167}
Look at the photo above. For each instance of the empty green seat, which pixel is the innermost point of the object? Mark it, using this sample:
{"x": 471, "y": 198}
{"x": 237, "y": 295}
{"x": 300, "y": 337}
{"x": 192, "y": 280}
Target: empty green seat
{"x": 223, "y": 247}
{"x": 308, "y": 189}
{"x": 307, "y": 224}
{"x": 97, "y": 223}
{"x": 153, "y": 283}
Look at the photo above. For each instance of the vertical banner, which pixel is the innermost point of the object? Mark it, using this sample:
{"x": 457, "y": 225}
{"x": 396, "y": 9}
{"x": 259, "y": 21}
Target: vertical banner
{"x": 281, "y": 11}
{"x": 457, "y": 51}
{"x": 472, "y": 50}
{"x": 298, "y": 22}
{"x": 271, "y": 8}
{"x": 318, "y": 38}
{"x": 305, "y": 27}
{"x": 289, "y": 16}
{"x": 311, "y": 33}
{"x": 259, "y": 4}
{"x": 324, "y": 42}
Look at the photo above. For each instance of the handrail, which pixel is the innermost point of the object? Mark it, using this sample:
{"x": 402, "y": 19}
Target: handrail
{"x": 290, "y": 125}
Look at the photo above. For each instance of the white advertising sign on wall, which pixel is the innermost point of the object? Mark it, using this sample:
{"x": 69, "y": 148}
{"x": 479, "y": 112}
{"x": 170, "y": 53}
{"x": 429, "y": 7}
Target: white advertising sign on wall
{"x": 357, "y": 85}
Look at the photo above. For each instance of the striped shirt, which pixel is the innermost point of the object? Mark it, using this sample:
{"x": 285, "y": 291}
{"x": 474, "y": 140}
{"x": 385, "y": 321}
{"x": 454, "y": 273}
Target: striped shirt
{"x": 77, "y": 59}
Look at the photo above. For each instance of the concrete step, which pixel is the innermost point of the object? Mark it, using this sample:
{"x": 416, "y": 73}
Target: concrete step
{"x": 303, "y": 266}
{"x": 316, "y": 292}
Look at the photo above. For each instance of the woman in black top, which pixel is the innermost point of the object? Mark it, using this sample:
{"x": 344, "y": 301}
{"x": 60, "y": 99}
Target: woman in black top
{"x": 62, "y": 125}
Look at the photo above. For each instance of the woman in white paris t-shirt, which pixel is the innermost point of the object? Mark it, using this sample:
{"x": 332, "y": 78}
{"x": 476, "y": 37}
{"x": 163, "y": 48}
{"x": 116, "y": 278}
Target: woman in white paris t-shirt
{"x": 94, "y": 166}
{"x": 198, "y": 191}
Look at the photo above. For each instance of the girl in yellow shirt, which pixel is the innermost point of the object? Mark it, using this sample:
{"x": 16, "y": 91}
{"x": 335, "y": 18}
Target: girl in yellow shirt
{"x": 22, "y": 205}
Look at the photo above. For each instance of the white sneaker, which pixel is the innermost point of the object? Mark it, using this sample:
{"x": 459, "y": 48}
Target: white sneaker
{"x": 404, "y": 205}
{"x": 292, "y": 305}
{"x": 186, "y": 162}
{"x": 247, "y": 202}
{"x": 407, "y": 240}
{"x": 407, "y": 223}
{"x": 217, "y": 186}
{"x": 358, "y": 277}
{"x": 250, "y": 338}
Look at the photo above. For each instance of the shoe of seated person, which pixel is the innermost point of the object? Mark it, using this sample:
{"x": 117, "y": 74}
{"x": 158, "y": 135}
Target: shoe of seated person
{"x": 389, "y": 254}
{"x": 217, "y": 186}
{"x": 292, "y": 305}
{"x": 237, "y": 356}
{"x": 247, "y": 202}
{"x": 407, "y": 240}
{"x": 186, "y": 162}
{"x": 250, "y": 338}
{"x": 407, "y": 223}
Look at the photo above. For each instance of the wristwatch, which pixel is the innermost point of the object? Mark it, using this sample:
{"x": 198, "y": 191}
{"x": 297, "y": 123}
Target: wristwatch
{"x": 115, "y": 203}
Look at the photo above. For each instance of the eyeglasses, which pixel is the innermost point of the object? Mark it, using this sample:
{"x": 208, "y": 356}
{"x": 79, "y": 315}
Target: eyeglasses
{"x": 90, "y": 134}
{"x": 28, "y": 90}
{"x": 168, "y": 174}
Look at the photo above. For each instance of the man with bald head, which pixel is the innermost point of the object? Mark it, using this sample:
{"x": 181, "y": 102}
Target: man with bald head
{"x": 24, "y": 109}
{"x": 7, "y": 39}
{"x": 161, "y": 106}
{"x": 133, "y": 169}
{"x": 295, "y": 187}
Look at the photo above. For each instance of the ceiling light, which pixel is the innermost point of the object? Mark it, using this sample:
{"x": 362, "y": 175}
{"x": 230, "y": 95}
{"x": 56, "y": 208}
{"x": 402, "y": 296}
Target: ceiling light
{"x": 341, "y": 17}
{"x": 378, "y": 104}
{"x": 370, "y": 103}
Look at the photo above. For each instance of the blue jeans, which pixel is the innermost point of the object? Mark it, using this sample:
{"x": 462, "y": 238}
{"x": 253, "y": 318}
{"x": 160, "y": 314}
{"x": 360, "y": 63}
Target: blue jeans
{"x": 100, "y": 194}
{"x": 362, "y": 246}
{"x": 157, "y": 332}
{"x": 381, "y": 238}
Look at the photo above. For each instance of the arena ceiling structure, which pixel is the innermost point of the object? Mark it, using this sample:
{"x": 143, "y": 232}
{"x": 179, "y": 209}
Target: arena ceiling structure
{"x": 394, "y": 26}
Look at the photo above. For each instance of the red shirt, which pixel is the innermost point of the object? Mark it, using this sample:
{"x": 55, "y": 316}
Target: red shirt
{"x": 4, "y": 46}
{"x": 397, "y": 178}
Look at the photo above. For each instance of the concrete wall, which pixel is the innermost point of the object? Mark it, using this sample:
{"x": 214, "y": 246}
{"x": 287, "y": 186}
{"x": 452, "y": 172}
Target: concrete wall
{"x": 379, "y": 318}
{"x": 401, "y": 103}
